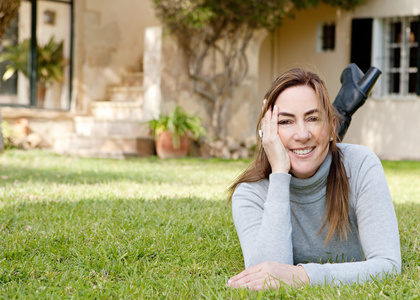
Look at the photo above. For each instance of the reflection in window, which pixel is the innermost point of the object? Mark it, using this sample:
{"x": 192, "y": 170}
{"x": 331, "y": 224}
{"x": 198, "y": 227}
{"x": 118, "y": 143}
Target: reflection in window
{"x": 8, "y": 87}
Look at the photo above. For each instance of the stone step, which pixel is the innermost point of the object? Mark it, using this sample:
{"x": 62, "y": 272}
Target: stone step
{"x": 89, "y": 126}
{"x": 107, "y": 147}
{"x": 125, "y": 93}
{"x": 132, "y": 79}
{"x": 124, "y": 110}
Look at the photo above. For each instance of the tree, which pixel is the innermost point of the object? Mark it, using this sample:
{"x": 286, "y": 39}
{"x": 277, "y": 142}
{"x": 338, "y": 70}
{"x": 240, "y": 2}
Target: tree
{"x": 214, "y": 35}
{"x": 8, "y": 10}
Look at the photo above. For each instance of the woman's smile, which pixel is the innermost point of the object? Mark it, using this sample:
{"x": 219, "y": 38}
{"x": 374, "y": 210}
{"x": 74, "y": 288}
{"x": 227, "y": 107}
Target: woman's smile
{"x": 303, "y": 152}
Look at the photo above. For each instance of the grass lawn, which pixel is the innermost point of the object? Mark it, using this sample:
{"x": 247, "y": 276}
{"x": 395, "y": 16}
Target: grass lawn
{"x": 148, "y": 228}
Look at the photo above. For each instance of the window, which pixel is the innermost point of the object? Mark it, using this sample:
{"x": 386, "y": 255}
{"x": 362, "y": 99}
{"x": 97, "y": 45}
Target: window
{"x": 21, "y": 90}
{"x": 401, "y": 59}
{"x": 326, "y": 37}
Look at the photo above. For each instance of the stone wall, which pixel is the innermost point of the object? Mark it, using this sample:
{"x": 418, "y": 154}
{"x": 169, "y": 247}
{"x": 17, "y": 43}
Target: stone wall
{"x": 109, "y": 41}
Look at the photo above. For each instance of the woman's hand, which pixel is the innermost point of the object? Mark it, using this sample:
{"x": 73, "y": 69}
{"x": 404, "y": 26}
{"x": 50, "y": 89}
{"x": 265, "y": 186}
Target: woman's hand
{"x": 274, "y": 149}
{"x": 269, "y": 275}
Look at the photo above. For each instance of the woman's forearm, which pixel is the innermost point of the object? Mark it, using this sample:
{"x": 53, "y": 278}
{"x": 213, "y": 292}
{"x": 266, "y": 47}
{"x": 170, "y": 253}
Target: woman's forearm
{"x": 262, "y": 221}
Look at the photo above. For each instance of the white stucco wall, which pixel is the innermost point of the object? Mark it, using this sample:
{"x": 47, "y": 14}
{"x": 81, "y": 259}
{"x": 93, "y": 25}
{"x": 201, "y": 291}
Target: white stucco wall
{"x": 388, "y": 8}
{"x": 296, "y": 44}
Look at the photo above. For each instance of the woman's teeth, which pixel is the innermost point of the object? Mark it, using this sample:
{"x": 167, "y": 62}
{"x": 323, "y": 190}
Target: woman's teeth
{"x": 304, "y": 151}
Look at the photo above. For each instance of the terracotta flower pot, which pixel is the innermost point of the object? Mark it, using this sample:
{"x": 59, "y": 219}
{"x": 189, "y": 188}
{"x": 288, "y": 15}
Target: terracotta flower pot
{"x": 165, "y": 149}
{"x": 41, "y": 90}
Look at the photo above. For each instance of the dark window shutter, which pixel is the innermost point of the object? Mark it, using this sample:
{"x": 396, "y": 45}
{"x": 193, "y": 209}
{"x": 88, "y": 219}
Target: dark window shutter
{"x": 361, "y": 43}
{"x": 417, "y": 38}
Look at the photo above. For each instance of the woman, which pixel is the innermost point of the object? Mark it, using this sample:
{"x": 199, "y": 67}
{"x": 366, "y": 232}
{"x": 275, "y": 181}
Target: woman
{"x": 309, "y": 210}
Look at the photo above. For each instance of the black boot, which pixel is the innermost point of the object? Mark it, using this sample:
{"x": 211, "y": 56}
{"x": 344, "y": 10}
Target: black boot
{"x": 354, "y": 91}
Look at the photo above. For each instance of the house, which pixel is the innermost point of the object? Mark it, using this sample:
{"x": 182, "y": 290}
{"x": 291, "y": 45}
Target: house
{"x": 124, "y": 69}
{"x": 382, "y": 33}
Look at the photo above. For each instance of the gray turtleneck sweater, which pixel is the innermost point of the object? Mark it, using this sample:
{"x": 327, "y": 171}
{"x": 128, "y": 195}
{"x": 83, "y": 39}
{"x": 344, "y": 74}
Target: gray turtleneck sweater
{"x": 278, "y": 219}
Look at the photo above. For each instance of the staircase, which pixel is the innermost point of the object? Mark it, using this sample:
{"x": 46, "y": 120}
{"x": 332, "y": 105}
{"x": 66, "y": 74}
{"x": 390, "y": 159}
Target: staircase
{"x": 115, "y": 127}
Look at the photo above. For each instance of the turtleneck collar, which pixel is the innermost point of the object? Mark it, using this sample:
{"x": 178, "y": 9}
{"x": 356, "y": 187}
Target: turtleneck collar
{"x": 311, "y": 189}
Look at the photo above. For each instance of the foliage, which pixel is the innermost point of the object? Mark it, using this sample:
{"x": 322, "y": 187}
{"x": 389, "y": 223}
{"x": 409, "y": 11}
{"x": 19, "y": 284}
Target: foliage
{"x": 50, "y": 61}
{"x": 8, "y": 10}
{"x": 145, "y": 228}
{"x": 215, "y": 34}
{"x": 179, "y": 123}
{"x": 186, "y": 19}
{"x": 7, "y": 133}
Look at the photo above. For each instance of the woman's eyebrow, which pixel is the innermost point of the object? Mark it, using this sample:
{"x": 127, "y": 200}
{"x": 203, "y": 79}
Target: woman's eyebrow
{"x": 312, "y": 111}
{"x": 309, "y": 112}
{"x": 286, "y": 114}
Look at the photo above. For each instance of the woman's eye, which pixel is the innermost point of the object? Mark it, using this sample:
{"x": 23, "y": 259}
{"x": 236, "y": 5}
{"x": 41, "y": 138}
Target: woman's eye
{"x": 313, "y": 119}
{"x": 284, "y": 122}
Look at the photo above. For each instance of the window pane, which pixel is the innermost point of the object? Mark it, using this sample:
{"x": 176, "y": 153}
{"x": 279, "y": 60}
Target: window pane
{"x": 414, "y": 33}
{"x": 413, "y": 57}
{"x": 394, "y": 83}
{"x": 8, "y": 87}
{"x": 412, "y": 81}
{"x": 15, "y": 90}
{"x": 54, "y": 22}
{"x": 396, "y": 32}
{"x": 395, "y": 57}
{"x": 328, "y": 37}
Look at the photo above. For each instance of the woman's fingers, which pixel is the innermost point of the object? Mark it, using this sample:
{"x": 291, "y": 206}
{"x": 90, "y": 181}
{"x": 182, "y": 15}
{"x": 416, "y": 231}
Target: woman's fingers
{"x": 256, "y": 281}
{"x": 245, "y": 273}
{"x": 273, "y": 121}
{"x": 247, "y": 281}
{"x": 269, "y": 275}
{"x": 273, "y": 146}
{"x": 269, "y": 124}
{"x": 264, "y": 103}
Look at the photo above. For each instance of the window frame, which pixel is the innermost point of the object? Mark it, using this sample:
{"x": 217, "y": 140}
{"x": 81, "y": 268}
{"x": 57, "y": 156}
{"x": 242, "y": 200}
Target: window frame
{"x": 321, "y": 39}
{"x": 382, "y": 56}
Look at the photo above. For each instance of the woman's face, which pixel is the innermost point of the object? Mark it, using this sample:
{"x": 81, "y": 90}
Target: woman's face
{"x": 303, "y": 129}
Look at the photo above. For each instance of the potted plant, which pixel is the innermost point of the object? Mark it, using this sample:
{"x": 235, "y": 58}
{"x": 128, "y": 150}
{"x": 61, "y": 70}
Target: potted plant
{"x": 50, "y": 63}
{"x": 173, "y": 132}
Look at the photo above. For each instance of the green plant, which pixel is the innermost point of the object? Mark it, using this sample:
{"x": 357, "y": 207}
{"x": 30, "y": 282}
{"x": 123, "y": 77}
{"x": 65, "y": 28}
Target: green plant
{"x": 50, "y": 61}
{"x": 179, "y": 123}
{"x": 7, "y": 133}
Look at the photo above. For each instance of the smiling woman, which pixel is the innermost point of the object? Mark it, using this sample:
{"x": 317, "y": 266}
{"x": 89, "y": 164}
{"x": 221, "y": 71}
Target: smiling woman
{"x": 307, "y": 199}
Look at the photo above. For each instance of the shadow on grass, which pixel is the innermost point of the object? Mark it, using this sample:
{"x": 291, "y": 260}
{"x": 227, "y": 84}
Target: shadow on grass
{"x": 21, "y": 174}
{"x": 52, "y": 168}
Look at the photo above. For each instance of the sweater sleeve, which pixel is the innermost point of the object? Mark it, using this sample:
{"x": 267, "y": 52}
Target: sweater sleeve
{"x": 262, "y": 220}
{"x": 377, "y": 229}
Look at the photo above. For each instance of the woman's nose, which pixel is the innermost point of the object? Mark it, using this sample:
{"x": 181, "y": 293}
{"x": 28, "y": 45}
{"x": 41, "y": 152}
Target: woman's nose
{"x": 302, "y": 133}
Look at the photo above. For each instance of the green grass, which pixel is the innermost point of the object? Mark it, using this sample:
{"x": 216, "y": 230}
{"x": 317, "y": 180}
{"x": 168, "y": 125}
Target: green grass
{"x": 148, "y": 229}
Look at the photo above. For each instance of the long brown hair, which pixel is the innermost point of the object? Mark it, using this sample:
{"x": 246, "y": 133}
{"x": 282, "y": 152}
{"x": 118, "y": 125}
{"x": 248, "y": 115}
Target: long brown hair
{"x": 337, "y": 194}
